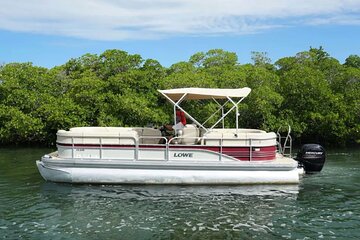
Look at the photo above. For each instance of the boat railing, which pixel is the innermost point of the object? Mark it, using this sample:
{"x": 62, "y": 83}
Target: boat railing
{"x": 100, "y": 141}
{"x": 103, "y": 143}
{"x": 284, "y": 143}
{"x": 175, "y": 142}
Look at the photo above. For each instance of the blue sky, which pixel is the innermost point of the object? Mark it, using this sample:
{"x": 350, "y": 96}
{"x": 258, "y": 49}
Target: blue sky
{"x": 49, "y": 33}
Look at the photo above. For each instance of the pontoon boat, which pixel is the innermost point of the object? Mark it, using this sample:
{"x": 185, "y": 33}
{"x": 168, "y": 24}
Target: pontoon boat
{"x": 198, "y": 154}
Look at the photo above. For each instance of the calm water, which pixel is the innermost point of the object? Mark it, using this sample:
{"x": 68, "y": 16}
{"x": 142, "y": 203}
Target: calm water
{"x": 325, "y": 205}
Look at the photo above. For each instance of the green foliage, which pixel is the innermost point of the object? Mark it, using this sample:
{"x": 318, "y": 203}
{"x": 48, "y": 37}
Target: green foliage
{"x": 214, "y": 57}
{"x": 313, "y": 85}
{"x": 61, "y": 113}
{"x": 262, "y": 59}
{"x": 311, "y": 91}
{"x": 264, "y": 98}
{"x": 353, "y": 61}
{"x": 18, "y": 127}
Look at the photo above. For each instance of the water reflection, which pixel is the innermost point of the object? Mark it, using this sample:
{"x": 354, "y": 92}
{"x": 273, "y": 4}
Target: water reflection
{"x": 165, "y": 211}
{"x": 139, "y": 191}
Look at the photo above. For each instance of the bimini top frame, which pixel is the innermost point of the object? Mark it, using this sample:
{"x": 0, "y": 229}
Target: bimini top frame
{"x": 176, "y": 96}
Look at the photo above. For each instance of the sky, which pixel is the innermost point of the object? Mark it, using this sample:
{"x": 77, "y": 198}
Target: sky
{"x": 48, "y": 33}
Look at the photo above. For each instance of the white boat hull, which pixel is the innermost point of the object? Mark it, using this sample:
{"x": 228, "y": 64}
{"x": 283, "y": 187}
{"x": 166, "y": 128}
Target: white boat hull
{"x": 188, "y": 176}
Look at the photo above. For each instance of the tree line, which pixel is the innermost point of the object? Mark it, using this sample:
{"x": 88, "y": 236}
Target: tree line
{"x": 312, "y": 92}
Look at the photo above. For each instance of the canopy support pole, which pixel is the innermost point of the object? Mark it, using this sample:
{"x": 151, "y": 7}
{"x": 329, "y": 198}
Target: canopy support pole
{"x": 176, "y": 105}
{"x": 236, "y": 105}
{"x": 222, "y": 111}
{"x": 223, "y": 117}
{"x": 220, "y": 108}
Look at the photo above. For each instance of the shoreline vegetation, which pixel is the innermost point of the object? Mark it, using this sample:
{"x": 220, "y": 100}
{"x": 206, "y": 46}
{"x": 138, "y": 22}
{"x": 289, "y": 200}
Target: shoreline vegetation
{"x": 312, "y": 92}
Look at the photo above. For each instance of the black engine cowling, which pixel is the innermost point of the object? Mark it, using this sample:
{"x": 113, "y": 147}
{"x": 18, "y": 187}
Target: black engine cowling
{"x": 311, "y": 157}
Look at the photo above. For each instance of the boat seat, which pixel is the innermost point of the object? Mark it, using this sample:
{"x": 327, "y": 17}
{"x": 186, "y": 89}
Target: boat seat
{"x": 190, "y": 134}
{"x": 97, "y": 135}
{"x": 148, "y": 135}
{"x": 229, "y": 138}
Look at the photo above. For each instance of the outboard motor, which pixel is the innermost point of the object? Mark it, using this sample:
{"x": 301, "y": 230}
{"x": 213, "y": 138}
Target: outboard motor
{"x": 311, "y": 157}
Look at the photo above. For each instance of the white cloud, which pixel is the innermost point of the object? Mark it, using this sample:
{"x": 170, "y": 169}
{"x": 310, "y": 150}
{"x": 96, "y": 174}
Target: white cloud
{"x": 141, "y": 19}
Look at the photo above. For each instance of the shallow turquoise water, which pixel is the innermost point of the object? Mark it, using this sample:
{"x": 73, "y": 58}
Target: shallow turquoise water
{"x": 325, "y": 205}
